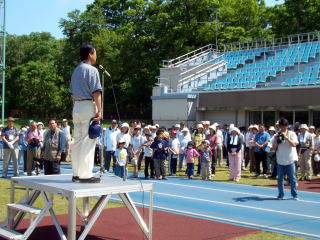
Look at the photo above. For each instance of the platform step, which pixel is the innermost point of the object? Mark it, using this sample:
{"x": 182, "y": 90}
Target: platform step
{"x": 24, "y": 208}
{"x": 10, "y": 234}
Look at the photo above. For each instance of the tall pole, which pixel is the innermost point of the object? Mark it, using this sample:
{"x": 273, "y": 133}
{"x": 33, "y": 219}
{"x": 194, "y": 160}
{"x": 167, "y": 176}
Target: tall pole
{"x": 102, "y": 100}
{"x": 3, "y": 60}
{"x": 217, "y": 30}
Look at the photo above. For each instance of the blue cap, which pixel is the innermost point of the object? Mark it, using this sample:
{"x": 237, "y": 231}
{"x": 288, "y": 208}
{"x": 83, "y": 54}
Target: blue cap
{"x": 95, "y": 129}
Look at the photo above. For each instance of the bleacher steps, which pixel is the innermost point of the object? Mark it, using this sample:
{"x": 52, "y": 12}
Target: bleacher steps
{"x": 10, "y": 234}
{"x": 24, "y": 208}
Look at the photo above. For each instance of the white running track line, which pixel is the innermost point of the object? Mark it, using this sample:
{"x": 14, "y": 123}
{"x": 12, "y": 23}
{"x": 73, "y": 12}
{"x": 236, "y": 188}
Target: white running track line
{"x": 229, "y": 191}
{"x": 237, "y": 205}
{"x": 264, "y": 227}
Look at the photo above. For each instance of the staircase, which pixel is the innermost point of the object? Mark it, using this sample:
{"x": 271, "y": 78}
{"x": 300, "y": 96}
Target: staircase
{"x": 17, "y": 211}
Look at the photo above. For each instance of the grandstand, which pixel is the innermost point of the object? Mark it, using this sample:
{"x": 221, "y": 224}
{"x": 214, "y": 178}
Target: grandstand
{"x": 242, "y": 83}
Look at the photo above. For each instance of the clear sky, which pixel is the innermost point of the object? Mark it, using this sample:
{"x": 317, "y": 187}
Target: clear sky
{"x": 25, "y": 16}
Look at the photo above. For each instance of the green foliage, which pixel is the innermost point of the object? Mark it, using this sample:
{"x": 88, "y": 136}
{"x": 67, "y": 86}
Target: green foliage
{"x": 132, "y": 37}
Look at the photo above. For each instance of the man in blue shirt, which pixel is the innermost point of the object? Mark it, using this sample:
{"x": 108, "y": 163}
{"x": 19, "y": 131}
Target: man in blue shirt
{"x": 160, "y": 148}
{"x": 262, "y": 138}
{"x": 85, "y": 89}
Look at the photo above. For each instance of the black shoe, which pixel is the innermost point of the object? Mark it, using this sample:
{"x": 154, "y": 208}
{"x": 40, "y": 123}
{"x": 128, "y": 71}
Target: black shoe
{"x": 75, "y": 179}
{"x": 164, "y": 178}
{"x": 89, "y": 180}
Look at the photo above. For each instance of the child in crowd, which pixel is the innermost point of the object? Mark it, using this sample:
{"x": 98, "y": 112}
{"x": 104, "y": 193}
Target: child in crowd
{"x": 148, "y": 160}
{"x": 135, "y": 148}
{"x": 160, "y": 148}
{"x": 205, "y": 156}
{"x": 120, "y": 156}
{"x": 174, "y": 149}
{"x": 191, "y": 154}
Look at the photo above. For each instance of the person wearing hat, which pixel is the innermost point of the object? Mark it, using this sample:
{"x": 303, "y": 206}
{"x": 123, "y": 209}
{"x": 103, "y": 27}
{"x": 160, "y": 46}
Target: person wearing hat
{"x": 271, "y": 160}
{"x": 135, "y": 148}
{"x": 34, "y": 140}
{"x": 261, "y": 141}
{"x": 120, "y": 157}
{"x": 110, "y": 145}
{"x": 316, "y": 154}
{"x": 191, "y": 154}
{"x": 67, "y": 132}
{"x": 312, "y": 131}
{"x": 124, "y": 134}
{"x": 285, "y": 142}
{"x": 305, "y": 150}
{"x": 198, "y": 136}
{"x": 85, "y": 88}
{"x": 53, "y": 146}
{"x": 234, "y": 144}
{"x": 184, "y": 138}
{"x": 10, "y": 138}
{"x": 1, "y": 143}
{"x": 206, "y": 125}
{"x": 213, "y": 139}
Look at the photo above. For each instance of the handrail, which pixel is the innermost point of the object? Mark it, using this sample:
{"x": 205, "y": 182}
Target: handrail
{"x": 176, "y": 61}
{"x": 201, "y": 72}
{"x": 198, "y": 66}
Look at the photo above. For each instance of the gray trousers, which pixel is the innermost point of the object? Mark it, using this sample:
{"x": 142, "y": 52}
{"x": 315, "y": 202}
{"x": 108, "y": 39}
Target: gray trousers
{"x": 7, "y": 155}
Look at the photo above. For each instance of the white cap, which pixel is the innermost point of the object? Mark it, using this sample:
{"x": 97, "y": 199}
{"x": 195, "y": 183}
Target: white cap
{"x": 125, "y": 125}
{"x": 304, "y": 126}
{"x": 121, "y": 140}
{"x": 40, "y": 123}
{"x": 138, "y": 126}
{"x": 231, "y": 125}
{"x": 153, "y": 127}
{"x": 146, "y": 127}
{"x": 312, "y": 127}
{"x": 255, "y": 126}
{"x": 272, "y": 128}
{"x": 64, "y": 120}
{"x": 185, "y": 130}
{"x": 24, "y": 129}
{"x": 157, "y": 125}
{"x": 104, "y": 129}
{"x": 251, "y": 126}
{"x": 234, "y": 129}
{"x": 213, "y": 127}
{"x": 177, "y": 125}
{"x": 199, "y": 126}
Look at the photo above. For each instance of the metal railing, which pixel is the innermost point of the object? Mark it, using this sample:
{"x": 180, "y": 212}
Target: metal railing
{"x": 186, "y": 57}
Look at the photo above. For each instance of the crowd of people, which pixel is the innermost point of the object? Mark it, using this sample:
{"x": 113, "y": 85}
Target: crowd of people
{"x": 35, "y": 146}
{"x": 265, "y": 152}
{"x": 203, "y": 146}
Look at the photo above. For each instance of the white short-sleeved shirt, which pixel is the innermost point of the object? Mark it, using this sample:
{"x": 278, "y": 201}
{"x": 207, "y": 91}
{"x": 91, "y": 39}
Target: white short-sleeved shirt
{"x": 286, "y": 154}
{"x": 121, "y": 155}
{"x": 148, "y": 152}
{"x": 136, "y": 142}
{"x": 175, "y": 144}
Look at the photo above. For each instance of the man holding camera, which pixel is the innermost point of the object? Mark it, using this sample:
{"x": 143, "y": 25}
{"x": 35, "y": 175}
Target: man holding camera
{"x": 285, "y": 143}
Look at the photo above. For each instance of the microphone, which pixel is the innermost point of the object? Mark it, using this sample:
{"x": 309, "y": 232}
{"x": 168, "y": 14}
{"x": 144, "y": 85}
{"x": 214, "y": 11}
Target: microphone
{"x": 104, "y": 70}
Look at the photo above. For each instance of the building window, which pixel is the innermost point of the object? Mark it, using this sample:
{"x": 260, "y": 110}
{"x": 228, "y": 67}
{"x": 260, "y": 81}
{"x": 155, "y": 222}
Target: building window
{"x": 287, "y": 115}
{"x": 255, "y": 117}
{"x": 302, "y": 117}
{"x": 269, "y": 118}
{"x": 316, "y": 118}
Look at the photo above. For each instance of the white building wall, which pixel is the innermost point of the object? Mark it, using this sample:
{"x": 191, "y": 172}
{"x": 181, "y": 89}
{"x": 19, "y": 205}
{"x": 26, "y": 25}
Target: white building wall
{"x": 221, "y": 117}
{"x": 241, "y": 118}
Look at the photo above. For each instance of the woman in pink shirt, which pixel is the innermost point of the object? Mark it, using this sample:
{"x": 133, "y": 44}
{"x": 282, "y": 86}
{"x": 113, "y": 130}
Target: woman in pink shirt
{"x": 191, "y": 154}
{"x": 213, "y": 138}
{"x": 34, "y": 139}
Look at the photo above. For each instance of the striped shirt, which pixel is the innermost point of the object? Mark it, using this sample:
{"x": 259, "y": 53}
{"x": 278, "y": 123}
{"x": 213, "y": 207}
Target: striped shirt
{"x": 85, "y": 81}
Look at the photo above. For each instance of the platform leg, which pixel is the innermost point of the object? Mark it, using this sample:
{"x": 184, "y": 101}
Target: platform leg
{"x": 150, "y": 214}
{"x": 135, "y": 213}
{"x": 72, "y": 217}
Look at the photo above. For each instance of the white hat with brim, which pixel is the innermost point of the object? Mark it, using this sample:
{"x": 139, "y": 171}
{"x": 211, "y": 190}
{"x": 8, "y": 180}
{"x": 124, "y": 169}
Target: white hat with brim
{"x": 122, "y": 140}
{"x": 272, "y": 128}
{"x": 185, "y": 130}
{"x": 250, "y": 127}
{"x": 177, "y": 125}
{"x": 157, "y": 125}
{"x": 125, "y": 125}
{"x": 255, "y": 126}
{"x": 312, "y": 127}
{"x": 213, "y": 127}
{"x": 304, "y": 126}
{"x": 199, "y": 126}
{"x": 234, "y": 129}
{"x": 40, "y": 123}
{"x": 153, "y": 127}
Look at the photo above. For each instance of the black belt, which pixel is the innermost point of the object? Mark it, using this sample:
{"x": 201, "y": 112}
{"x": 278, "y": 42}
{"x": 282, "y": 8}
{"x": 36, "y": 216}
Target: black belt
{"x": 79, "y": 100}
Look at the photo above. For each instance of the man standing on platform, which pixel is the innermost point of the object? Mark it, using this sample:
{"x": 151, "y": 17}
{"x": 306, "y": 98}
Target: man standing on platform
{"x": 53, "y": 145}
{"x": 86, "y": 89}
